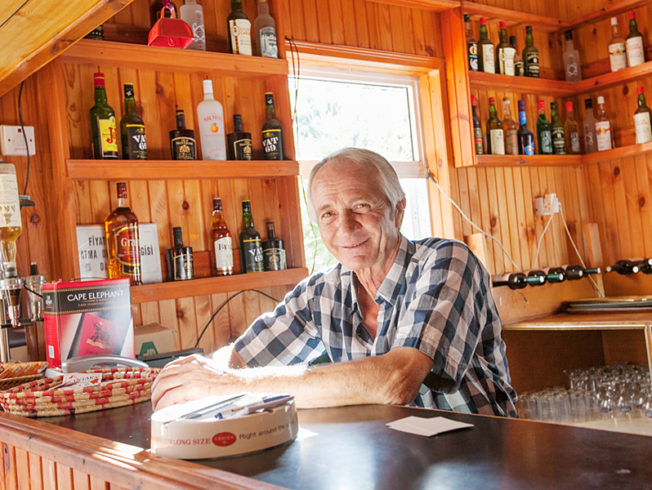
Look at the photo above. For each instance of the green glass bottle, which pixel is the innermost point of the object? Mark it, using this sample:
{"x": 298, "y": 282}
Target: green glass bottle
{"x": 251, "y": 244}
{"x": 557, "y": 131}
{"x": 530, "y": 55}
{"x": 544, "y": 137}
{"x": 239, "y": 30}
{"x": 495, "y": 135}
{"x": 504, "y": 53}
{"x": 634, "y": 43}
{"x": 132, "y": 128}
{"x": 477, "y": 127}
{"x": 486, "y": 49}
{"x": 104, "y": 133}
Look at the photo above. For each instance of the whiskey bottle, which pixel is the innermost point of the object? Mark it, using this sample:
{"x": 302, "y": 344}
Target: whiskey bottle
{"x": 239, "y": 29}
{"x": 486, "y": 57}
{"x": 132, "y": 129}
{"x": 519, "y": 71}
{"x": 239, "y": 142}
{"x": 471, "y": 44}
{"x": 617, "y": 53}
{"x": 642, "y": 119}
{"x": 544, "y": 135}
{"x": 272, "y": 131}
{"x": 525, "y": 136}
{"x": 222, "y": 241}
{"x": 589, "y": 127}
{"x": 123, "y": 248}
{"x": 104, "y": 134}
{"x": 193, "y": 14}
{"x": 538, "y": 277}
{"x": 515, "y": 280}
{"x": 555, "y": 274}
{"x": 557, "y": 131}
{"x": 10, "y": 221}
{"x": 509, "y": 129}
{"x": 530, "y": 55}
{"x": 265, "y": 32}
{"x": 634, "y": 43}
{"x": 624, "y": 267}
{"x": 250, "y": 242}
{"x": 179, "y": 259}
{"x": 603, "y": 134}
{"x": 574, "y": 272}
{"x": 182, "y": 141}
{"x": 477, "y": 127}
{"x": 273, "y": 251}
{"x": 571, "y": 130}
{"x": 210, "y": 117}
{"x": 495, "y": 135}
{"x": 504, "y": 53}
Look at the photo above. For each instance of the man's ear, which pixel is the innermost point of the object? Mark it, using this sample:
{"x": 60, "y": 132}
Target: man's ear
{"x": 399, "y": 213}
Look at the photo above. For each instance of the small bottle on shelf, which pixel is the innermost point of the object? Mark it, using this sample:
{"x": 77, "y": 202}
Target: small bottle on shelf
{"x": 264, "y": 36}
{"x": 544, "y": 136}
{"x": 509, "y": 129}
{"x": 182, "y": 141}
{"x": 571, "y": 131}
{"x": 603, "y": 131}
{"x": 515, "y": 280}
{"x": 537, "y": 275}
{"x": 518, "y": 59}
{"x": 210, "y": 117}
{"x": 624, "y": 267}
{"x": 239, "y": 29}
{"x": 250, "y": 242}
{"x": 525, "y": 136}
{"x": 555, "y": 274}
{"x": 122, "y": 243}
{"x": 179, "y": 259}
{"x": 589, "y": 128}
{"x": 132, "y": 128}
{"x": 471, "y": 45}
{"x": 273, "y": 251}
{"x": 634, "y": 42}
{"x": 571, "y": 55}
{"x": 477, "y": 127}
{"x": 504, "y": 53}
{"x": 222, "y": 241}
{"x": 645, "y": 265}
{"x": 574, "y": 272}
{"x": 617, "y": 52}
{"x": 530, "y": 55}
{"x": 272, "y": 131}
{"x": 193, "y": 14}
{"x": 557, "y": 131}
{"x": 592, "y": 270}
{"x": 642, "y": 119}
{"x": 103, "y": 128}
{"x": 486, "y": 48}
{"x": 239, "y": 142}
{"x": 495, "y": 135}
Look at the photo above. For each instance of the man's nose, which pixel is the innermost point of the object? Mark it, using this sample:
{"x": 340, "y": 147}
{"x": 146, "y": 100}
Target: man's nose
{"x": 348, "y": 221}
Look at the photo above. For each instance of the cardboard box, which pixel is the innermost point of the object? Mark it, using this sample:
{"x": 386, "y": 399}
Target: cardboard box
{"x": 86, "y": 318}
{"x": 154, "y": 338}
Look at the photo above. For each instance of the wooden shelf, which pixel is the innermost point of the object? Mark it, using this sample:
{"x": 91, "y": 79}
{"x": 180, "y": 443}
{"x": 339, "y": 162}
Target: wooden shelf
{"x": 587, "y": 321}
{"x": 621, "y": 152}
{"x": 522, "y": 84}
{"x": 433, "y": 5}
{"x": 606, "y": 12}
{"x": 613, "y": 78}
{"x": 525, "y": 160}
{"x": 213, "y": 285}
{"x": 513, "y": 17}
{"x": 178, "y": 169}
{"x": 170, "y": 59}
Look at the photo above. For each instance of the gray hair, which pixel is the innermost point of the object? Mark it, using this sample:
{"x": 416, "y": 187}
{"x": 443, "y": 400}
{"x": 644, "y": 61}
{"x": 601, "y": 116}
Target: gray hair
{"x": 390, "y": 184}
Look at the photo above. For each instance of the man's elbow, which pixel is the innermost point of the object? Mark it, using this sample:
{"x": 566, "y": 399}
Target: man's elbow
{"x": 403, "y": 383}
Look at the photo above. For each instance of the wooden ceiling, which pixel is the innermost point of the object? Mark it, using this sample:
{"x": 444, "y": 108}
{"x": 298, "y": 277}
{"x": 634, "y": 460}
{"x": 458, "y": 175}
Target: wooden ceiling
{"x": 33, "y": 32}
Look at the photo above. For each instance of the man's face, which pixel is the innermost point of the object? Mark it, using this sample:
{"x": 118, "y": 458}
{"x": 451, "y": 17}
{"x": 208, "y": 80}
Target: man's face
{"x": 355, "y": 220}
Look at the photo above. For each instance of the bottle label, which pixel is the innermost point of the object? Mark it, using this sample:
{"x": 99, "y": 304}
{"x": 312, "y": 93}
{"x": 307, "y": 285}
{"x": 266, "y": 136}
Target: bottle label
{"x": 240, "y": 36}
{"x": 574, "y": 142}
{"x": 213, "y": 145}
{"x": 127, "y": 250}
{"x": 198, "y": 31}
{"x": 184, "y": 148}
{"x": 635, "y": 51}
{"x": 488, "y": 60}
{"x": 507, "y": 61}
{"x": 183, "y": 268}
{"x": 589, "y": 138}
{"x": 546, "y": 142}
{"x": 497, "y": 140}
{"x": 272, "y": 144}
{"x": 642, "y": 126}
{"x": 472, "y": 52}
{"x": 137, "y": 145}
{"x": 477, "y": 140}
{"x": 242, "y": 149}
{"x": 9, "y": 201}
{"x": 518, "y": 68}
{"x": 528, "y": 144}
{"x": 252, "y": 253}
{"x": 267, "y": 41}
{"x": 108, "y": 137}
{"x": 511, "y": 142}
{"x": 572, "y": 70}
{"x": 603, "y": 135}
{"x": 617, "y": 57}
{"x": 275, "y": 259}
{"x": 532, "y": 64}
{"x": 223, "y": 254}
{"x": 558, "y": 141}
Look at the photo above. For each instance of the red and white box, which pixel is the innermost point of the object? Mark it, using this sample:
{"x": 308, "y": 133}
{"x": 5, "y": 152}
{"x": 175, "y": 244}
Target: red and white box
{"x": 87, "y": 318}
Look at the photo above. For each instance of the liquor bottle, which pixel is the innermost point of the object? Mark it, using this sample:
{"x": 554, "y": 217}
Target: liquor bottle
{"x": 515, "y": 280}
{"x": 590, "y": 145}
{"x": 471, "y": 45}
{"x": 264, "y": 36}
{"x": 122, "y": 244}
{"x": 592, "y": 270}
{"x": 530, "y": 55}
{"x": 239, "y": 142}
{"x": 157, "y": 6}
{"x": 645, "y": 265}
{"x": 504, "y": 53}
{"x": 510, "y": 129}
{"x": 211, "y": 125}
{"x": 239, "y": 29}
{"x": 557, "y": 131}
{"x": 624, "y": 267}
{"x": 179, "y": 259}
{"x": 603, "y": 134}
{"x": 182, "y": 141}
{"x": 193, "y": 14}
{"x": 250, "y": 242}
{"x": 104, "y": 134}
{"x": 617, "y": 53}
{"x": 486, "y": 55}
{"x": 518, "y": 60}
{"x": 273, "y": 251}
{"x": 132, "y": 129}
{"x": 11, "y": 225}
{"x": 634, "y": 43}
{"x": 574, "y": 272}
{"x": 495, "y": 135}
{"x": 272, "y": 131}
{"x": 538, "y": 275}
{"x": 544, "y": 136}
{"x": 642, "y": 119}
{"x": 525, "y": 136}
{"x": 222, "y": 241}
{"x": 477, "y": 127}
{"x": 571, "y": 131}
{"x": 572, "y": 65}
{"x": 555, "y": 274}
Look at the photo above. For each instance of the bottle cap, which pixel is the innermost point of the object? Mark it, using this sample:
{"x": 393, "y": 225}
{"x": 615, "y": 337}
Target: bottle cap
{"x": 217, "y": 204}
{"x": 98, "y": 78}
{"x": 553, "y": 106}
{"x": 492, "y": 100}
{"x": 503, "y": 25}
{"x": 177, "y": 236}
{"x": 569, "y": 107}
{"x": 33, "y": 269}
{"x": 528, "y": 29}
{"x": 208, "y": 86}
{"x": 474, "y": 101}
{"x": 600, "y": 99}
{"x": 614, "y": 21}
{"x": 631, "y": 15}
{"x": 506, "y": 101}
{"x": 122, "y": 190}
{"x": 246, "y": 206}
{"x": 483, "y": 21}
{"x": 521, "y": 105}
{"x": 588, "y": 103}
{"x": 467, "y": 17}
{"x": 541, "y": 104}
{"x": 639, "y": 90}
{"x": 568, "y": 35}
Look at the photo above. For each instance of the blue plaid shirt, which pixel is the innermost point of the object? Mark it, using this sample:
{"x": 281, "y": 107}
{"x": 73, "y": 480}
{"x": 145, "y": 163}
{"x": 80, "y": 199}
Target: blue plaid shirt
{"x": 435, "y": 298}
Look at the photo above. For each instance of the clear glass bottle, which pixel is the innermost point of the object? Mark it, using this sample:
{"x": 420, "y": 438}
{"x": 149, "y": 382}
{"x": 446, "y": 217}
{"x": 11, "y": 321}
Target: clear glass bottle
{"x": 572, "y": 65}
{"x": 504, "y": 53}
{"x": 525, "y": 136}
{"x": 210, "y": 116}
{"x": 239, "y": 29}
{"x": 518, "y": 60}
{"x": 222, "y": 241}
{"x": 11, "y": 226}
{"x": 544, "y": 136}
{"x": 603, "y": 131}
{"x": 530, "y": 55}
{"x": 642, "y": 119}
{"x": 264, "y": 36}
{"x": 477, "y": 127}
{"x": 193, "y": 14}
{"x": 571, "y": 131}
{"x": 589, "y": 128}
{"x": 132, "y": 128}
{"x": 495, "y": 135}
{"x": 510, "y": 130}
{"x": 617, "y": 52}
{"x": 471, "y": 45}
{"x": 486, "y": 48}
{"x": 634, "y": 42}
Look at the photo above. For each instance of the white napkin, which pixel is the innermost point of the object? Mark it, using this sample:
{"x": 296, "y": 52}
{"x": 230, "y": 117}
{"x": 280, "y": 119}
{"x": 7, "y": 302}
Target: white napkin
{"x": 426, "y": 426}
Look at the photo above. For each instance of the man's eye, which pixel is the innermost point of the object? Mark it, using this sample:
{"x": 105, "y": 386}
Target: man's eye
{"x": 326, "y": 215}
{"x": 362, "y": 206}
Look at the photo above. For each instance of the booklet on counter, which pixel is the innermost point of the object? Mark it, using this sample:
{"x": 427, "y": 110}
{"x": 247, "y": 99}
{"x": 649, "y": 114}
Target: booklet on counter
{"x": 423, "y": 426}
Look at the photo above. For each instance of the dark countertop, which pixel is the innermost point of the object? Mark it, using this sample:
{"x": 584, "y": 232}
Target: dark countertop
{"x": 350, "y": 447}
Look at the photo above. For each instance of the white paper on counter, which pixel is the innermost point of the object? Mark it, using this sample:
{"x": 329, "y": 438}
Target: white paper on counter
{"x": 426, "y": 426}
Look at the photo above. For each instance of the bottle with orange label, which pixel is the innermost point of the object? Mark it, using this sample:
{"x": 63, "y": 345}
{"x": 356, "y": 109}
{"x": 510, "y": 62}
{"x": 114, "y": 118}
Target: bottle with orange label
{"x": 104, "y": 132}
{"x": 210, "y": 117}
{"x": 122, "y": 243}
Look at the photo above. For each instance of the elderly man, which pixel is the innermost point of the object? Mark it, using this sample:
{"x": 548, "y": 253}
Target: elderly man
{"x": 401, "y": 321}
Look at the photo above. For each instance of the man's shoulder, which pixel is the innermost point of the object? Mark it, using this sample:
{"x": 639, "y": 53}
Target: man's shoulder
{"x": 426, "y": 248}
{"x": 330, "y": 277}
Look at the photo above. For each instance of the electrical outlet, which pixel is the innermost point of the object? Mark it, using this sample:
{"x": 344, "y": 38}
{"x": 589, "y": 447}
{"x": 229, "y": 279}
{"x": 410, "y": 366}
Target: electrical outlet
{"x": 12, "y": 141}
{"x": 547, "y": 205}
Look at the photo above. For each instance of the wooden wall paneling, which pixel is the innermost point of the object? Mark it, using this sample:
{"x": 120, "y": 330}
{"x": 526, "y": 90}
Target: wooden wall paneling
{"x": 530, "y": 237}
{"x": 311, "y": 19}
{"x": 519, "y": 195}
{"x": 496, "y": 224}
{"x": 159, "y": 211}
{"x": 620, "y": 199}
{"x": 611, "y": 218}
{"x": 512, "y": 217}
{"x": 220, "y": 325}
{"x": 237, "y": 320}
{"x": 337, "y": 21}
{"x": 643, "y": 178}
{"x": 49, "y": 474}
{"x": 98, "y": 484}
{"x": 374, "y": 27}
{"x": 136, "y": 317}
{"x": 187, "y": 322}
{"x": 169, "y": 318}
{"x": 149, "y": 312}
{"x": 636, "y": 241}
{"x": 35, "y": 472}
{"x": 627, "y": 345}
{"x": 361, "y": 26}
{"x": 22, "y": 465}
{"x": 486, "y": 220}
{"x": 64, "y": 477}
{"x": 386, "y": 37}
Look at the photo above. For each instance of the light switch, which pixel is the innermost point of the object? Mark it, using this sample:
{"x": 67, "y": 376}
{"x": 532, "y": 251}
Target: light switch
{"x": 12, "y": 141}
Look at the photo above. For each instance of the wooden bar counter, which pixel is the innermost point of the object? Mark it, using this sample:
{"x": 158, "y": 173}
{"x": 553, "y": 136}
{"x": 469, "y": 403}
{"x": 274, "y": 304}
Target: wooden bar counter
{"x": 347, "y": 447}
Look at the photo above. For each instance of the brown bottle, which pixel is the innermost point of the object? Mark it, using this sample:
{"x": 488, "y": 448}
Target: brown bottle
{"x": 222, "y": 241}
{"x": 123, "y": 249}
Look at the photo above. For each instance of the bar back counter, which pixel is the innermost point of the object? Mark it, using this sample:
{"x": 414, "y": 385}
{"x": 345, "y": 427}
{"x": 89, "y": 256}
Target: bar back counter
{"x": 348, "y": 447}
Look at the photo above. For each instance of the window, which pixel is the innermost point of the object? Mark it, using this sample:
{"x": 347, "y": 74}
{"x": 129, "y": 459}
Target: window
{"x": 335, "y": 109}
